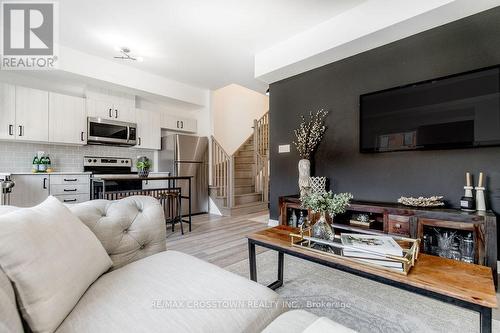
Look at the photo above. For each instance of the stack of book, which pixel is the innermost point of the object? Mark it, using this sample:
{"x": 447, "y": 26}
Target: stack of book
{"x": 371, "y": 249}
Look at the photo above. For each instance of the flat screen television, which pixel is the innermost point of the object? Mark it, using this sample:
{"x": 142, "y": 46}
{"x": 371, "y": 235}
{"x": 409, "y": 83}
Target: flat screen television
{"x": 457, "y": 111}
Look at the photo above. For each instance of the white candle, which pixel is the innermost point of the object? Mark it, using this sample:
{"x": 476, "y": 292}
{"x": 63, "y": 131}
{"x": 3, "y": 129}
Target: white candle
{"x": 480, "y": 184}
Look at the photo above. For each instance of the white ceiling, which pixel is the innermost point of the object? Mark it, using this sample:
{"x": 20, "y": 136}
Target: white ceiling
{"x": 204, "y": 43}
{"x": 383, "y": 22}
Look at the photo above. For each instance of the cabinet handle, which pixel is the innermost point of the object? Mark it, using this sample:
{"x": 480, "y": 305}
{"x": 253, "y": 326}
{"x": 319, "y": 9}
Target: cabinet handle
{"x": 110, "y": 115}
{"x": 139, "y": 141}
{"x": 69, "y": 200}
{"x": 82, "y": 136}
{"x": 182, "y": 124}
{"x": 177, "y": 124}
{"x": 20, "y": 130}
{"x": 116, "y": 113}
{"x": 11, "y": 130}
{"x": 70, "y": 180}
{"x": 45, "y": 183}
{"x": 73, "y": 190}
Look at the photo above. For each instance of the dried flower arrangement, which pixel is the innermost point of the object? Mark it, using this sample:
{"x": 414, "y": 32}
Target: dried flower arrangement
{"x": 310, "y": 133}
{"x": 434, "y": 201}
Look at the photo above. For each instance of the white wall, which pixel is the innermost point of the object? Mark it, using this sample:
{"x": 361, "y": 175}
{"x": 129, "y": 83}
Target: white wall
{"x": 234, "y": 109}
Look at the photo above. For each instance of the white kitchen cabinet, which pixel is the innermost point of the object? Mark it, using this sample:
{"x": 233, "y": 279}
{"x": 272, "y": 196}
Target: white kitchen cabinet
{"x": 70, "y": 188}
{"x": 109, "y": 109}
{"x": 32, "y": 114}
{"x": 99, "y": 108}
{"x": 148, "y": 129}
{"x": 67, "y": 119}
{"x": 124, "y": 112}
{"x": 72, "y": 198}
{"x": 30, "y": 190}
{"x": 7, "y": 111}
{"x": 179, "y": 124}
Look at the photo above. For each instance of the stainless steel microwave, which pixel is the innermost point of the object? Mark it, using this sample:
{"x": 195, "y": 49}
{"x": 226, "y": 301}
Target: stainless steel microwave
{"x": 111, "y": 132}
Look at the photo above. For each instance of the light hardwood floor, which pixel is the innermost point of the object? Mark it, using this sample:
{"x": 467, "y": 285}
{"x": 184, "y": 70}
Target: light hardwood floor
{"x": 217, "y": 239}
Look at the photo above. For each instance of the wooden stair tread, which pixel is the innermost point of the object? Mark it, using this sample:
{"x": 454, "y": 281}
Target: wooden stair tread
{"x": 250, "y": 204}
{"x": 245, "y": 194}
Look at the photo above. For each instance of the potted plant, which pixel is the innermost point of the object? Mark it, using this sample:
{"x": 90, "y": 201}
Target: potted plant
{"x": 143, "y": 166}
{"x": 308, "y": 136}
{"x": 323, "y": 203}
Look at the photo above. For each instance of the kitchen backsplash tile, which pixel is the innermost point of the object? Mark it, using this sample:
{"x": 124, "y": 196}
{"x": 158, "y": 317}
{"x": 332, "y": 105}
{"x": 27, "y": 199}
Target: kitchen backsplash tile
{"x": 18, "y": 156}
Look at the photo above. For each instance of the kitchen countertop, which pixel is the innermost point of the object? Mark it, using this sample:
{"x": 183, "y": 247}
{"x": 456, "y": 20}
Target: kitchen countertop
{"x": 6, "y": 174}
{"x": 136, "y": 177}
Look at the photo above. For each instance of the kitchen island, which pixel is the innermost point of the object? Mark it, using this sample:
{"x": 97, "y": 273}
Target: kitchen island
{"x": 101, "y": 185}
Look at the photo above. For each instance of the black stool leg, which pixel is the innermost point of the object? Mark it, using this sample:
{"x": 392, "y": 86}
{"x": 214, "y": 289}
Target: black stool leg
{"x": 163, "y": 204}
{"x": 173, "y": 218}
{"x": 180, "y": 213}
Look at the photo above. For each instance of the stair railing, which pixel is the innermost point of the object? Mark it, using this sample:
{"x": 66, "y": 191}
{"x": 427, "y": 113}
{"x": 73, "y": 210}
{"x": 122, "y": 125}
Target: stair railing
{"x": 222, "y": 173}
{"x": 262, "y": 176}
{"x": 261, "y": 155}
{"x": 261, "y": 134}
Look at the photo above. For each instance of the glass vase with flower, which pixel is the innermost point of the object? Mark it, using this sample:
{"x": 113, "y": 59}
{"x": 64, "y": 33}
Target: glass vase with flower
{"x": 325, "y": 203}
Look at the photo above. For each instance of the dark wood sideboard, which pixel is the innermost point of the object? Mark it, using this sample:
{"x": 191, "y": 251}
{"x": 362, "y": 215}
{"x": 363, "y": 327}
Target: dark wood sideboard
{"x": 411, "y": 222}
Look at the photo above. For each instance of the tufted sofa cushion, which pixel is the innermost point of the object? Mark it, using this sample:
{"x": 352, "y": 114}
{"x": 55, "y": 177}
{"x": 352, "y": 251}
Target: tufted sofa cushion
{"x": 129, "y": 229}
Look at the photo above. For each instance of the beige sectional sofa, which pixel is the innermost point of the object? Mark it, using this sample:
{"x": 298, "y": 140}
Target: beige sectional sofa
{"x": 150, "y": 289}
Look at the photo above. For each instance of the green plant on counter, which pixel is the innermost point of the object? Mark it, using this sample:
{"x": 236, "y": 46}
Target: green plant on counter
{"x": 143, "y": 164}
{"x": 327, "y": 202}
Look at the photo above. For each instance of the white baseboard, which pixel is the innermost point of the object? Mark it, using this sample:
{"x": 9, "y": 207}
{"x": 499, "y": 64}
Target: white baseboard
{"x": 273, "y": 223}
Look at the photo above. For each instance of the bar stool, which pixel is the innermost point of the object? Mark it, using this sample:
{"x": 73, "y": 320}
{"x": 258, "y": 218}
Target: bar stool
{"x": 173, "y": 212}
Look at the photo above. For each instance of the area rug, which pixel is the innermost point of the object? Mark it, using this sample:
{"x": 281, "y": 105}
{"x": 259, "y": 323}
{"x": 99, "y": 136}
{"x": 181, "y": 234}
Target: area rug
{"x": 358, "y": 303}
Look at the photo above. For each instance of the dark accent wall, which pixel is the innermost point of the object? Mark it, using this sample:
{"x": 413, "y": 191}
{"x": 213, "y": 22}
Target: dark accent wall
{"x": 467, "y": 44}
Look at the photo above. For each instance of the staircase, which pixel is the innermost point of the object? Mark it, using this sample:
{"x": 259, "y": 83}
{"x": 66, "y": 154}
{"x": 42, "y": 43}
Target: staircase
{"x": 240, "y": 183}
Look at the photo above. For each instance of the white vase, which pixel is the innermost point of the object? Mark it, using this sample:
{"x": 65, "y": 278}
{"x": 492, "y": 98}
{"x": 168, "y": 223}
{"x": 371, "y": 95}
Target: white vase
{"x": 304, "y": 177}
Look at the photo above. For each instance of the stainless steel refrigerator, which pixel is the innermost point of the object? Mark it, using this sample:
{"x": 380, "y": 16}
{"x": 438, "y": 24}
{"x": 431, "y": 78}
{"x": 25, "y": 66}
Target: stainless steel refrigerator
{"x": 187, "y": 155}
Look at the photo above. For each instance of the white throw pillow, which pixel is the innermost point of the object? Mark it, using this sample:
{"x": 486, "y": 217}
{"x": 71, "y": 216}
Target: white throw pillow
{"x": 51, "y": 257}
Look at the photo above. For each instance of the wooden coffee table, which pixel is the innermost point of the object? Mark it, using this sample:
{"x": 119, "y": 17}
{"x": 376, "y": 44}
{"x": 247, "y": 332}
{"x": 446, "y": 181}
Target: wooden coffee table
{"x": 465, "y": 285}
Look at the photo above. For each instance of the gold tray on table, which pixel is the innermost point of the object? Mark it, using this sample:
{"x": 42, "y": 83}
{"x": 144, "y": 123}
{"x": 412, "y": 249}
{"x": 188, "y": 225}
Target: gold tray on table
{"x": 335, "y": 249}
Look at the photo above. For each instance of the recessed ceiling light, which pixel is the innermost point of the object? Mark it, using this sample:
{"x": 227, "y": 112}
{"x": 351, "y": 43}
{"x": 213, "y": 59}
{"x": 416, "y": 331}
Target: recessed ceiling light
{"x": 125, "y": 55}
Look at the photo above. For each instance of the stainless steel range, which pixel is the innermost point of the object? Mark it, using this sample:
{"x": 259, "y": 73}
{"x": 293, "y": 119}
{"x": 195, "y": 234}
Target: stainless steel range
{"x": 110, "y": 166}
